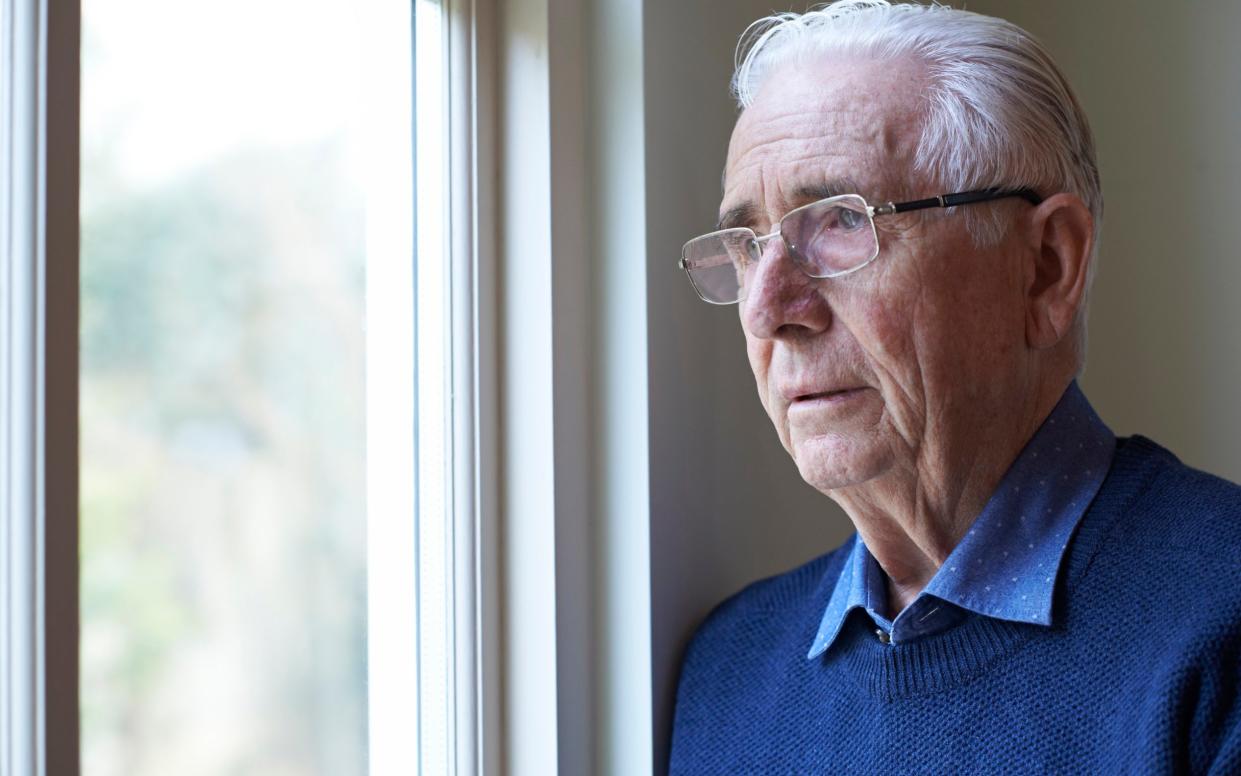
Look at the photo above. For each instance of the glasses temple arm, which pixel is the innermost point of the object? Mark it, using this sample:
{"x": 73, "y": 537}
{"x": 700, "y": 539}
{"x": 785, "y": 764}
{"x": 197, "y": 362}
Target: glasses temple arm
{"x": 960, "y": 198}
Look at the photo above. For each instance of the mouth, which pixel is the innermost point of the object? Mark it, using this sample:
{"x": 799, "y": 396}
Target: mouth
{"x": 827, "y": 396}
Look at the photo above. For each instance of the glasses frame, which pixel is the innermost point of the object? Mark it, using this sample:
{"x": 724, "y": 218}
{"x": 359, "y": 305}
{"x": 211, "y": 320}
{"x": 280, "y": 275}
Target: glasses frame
{"x": 872, "y": 211}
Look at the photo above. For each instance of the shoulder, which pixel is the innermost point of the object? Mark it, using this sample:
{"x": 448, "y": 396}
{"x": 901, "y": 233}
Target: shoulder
{"x": 1172, "y": 561}
{"x": 1167, "y": 543}
{"x": 790, "y": 593}
{"x": 776, "y": 616}
{"x": 1180, "y": 511}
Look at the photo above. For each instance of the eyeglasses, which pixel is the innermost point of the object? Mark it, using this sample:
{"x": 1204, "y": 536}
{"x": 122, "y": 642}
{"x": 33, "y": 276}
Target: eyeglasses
{"x": 826, "y": 239}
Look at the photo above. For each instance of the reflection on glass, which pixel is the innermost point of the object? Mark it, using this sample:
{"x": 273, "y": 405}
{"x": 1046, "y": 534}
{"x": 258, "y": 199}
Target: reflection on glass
{"x": 223, "y": 389}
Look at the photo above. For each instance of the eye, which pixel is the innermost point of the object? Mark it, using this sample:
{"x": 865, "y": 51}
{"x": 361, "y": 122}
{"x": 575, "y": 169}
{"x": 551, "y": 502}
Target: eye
{"x": 845, "y": 218}
{"x": 832, "y": 237}
{"x": 740, "y": 247}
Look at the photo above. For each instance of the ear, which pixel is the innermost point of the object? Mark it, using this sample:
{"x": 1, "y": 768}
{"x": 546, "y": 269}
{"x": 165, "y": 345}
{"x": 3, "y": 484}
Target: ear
{"x": 1061, "y": 235}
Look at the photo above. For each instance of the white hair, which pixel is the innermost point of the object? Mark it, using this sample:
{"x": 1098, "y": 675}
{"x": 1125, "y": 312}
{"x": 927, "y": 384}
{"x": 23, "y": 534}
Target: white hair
{"x": 999, "y": 113}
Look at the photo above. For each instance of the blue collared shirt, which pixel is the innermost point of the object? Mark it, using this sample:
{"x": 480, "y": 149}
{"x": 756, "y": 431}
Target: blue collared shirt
{"x": 1006, "y": 564}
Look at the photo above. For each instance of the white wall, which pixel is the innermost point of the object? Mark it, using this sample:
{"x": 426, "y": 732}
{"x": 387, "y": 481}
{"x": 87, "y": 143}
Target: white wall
{"x": 1162, "y": 85}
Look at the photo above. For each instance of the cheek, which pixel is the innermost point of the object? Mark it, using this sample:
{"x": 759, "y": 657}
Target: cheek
{"x": 886, "y": 328}
{"x": 889, "y": 329}
{"x": 759, "y": 353}
{"x": 942, "y": 332}
{"x": 982, "y": 326}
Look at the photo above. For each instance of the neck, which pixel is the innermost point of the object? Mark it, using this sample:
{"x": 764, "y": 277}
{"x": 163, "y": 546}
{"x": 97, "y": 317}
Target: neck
{"x": 914, "y": 515}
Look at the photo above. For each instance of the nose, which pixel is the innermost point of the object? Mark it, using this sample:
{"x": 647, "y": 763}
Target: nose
{"x": 780, "y": 299}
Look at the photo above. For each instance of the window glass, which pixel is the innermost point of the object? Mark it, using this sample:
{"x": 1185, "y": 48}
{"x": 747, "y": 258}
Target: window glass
{"x": 247, "y": 193}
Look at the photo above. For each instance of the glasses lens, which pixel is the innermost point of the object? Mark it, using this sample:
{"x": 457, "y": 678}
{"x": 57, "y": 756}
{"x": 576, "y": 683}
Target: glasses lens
{"x": 831, "y": 237}
{"x": 716, "y": 264}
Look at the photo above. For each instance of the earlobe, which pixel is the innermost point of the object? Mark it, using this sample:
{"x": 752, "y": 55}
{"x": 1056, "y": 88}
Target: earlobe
{"x": 1061, "y": 238}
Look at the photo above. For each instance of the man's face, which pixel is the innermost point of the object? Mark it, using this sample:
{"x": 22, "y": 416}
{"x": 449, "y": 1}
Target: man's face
{"x": 900, "y": 365}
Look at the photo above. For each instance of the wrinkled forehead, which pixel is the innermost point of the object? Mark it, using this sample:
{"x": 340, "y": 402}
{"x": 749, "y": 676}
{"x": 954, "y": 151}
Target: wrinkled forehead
{"x": 823, "y": 122}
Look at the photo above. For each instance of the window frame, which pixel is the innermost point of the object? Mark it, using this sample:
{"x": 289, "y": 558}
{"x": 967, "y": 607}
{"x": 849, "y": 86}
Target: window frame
{"x": 39, "y": 300}
{"x": 473, "y": 577}
{"x": 39, "y": 87}
{"x": 576, "y": 680}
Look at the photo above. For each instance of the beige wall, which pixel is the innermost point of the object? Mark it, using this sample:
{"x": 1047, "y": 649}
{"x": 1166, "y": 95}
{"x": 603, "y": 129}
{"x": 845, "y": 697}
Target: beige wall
{"x": 1163, "y": 89}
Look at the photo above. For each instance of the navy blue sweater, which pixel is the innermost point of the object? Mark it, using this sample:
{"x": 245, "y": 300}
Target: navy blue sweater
{"x": 1139, "y": 672}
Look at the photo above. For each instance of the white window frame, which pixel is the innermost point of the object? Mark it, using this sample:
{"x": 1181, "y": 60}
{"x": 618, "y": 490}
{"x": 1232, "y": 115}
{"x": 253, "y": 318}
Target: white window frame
{"x": 38, "y": 387}
{"x": 473, "y": 715}
{"x": 570, "y": 418}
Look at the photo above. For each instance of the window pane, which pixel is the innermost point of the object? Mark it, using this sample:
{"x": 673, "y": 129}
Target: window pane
{"x": 246, "y": 179}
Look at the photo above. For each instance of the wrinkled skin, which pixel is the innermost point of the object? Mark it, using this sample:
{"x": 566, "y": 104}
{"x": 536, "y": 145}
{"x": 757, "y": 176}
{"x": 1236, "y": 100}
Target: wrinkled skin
{"x": 949, "y": 356}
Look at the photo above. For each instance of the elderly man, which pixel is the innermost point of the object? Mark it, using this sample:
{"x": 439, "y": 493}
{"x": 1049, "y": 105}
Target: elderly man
{"x": 910, "y": 210}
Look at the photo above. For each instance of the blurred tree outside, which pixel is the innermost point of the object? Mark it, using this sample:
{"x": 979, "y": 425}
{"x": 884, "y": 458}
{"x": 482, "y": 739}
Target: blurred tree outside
{"x": 223, "y": 535}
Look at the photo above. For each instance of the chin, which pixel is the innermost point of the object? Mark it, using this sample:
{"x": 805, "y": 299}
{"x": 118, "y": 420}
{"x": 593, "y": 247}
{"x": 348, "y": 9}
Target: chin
{"x": 832, "y": 461}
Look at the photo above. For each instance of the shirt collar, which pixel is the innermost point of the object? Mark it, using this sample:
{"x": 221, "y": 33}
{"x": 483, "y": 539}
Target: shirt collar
{"x": 857, "y": 588}
{"x": 1006, "y": 564}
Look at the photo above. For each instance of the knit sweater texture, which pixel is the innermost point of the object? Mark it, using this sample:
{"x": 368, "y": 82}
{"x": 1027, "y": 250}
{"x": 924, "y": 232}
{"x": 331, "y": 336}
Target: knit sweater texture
{"x": 1140, "y": 671}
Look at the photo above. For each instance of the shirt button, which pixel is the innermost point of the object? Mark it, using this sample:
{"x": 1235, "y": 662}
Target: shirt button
{"x": 883, "y": 635}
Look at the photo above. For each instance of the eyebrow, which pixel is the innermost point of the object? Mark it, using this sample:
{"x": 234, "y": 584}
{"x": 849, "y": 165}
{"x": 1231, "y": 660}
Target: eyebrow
{"x": 746, "y": 213}
{"x": 741, "y": 215}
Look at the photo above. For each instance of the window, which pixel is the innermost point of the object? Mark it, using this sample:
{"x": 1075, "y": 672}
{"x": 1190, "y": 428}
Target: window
{"x": 316, "y": 305}
{"x": 266, "y": 354}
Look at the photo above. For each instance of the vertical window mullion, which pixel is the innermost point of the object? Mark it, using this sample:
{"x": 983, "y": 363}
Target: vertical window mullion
{"x": 38, "y": 386}
{"x": 433, "y": 368}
